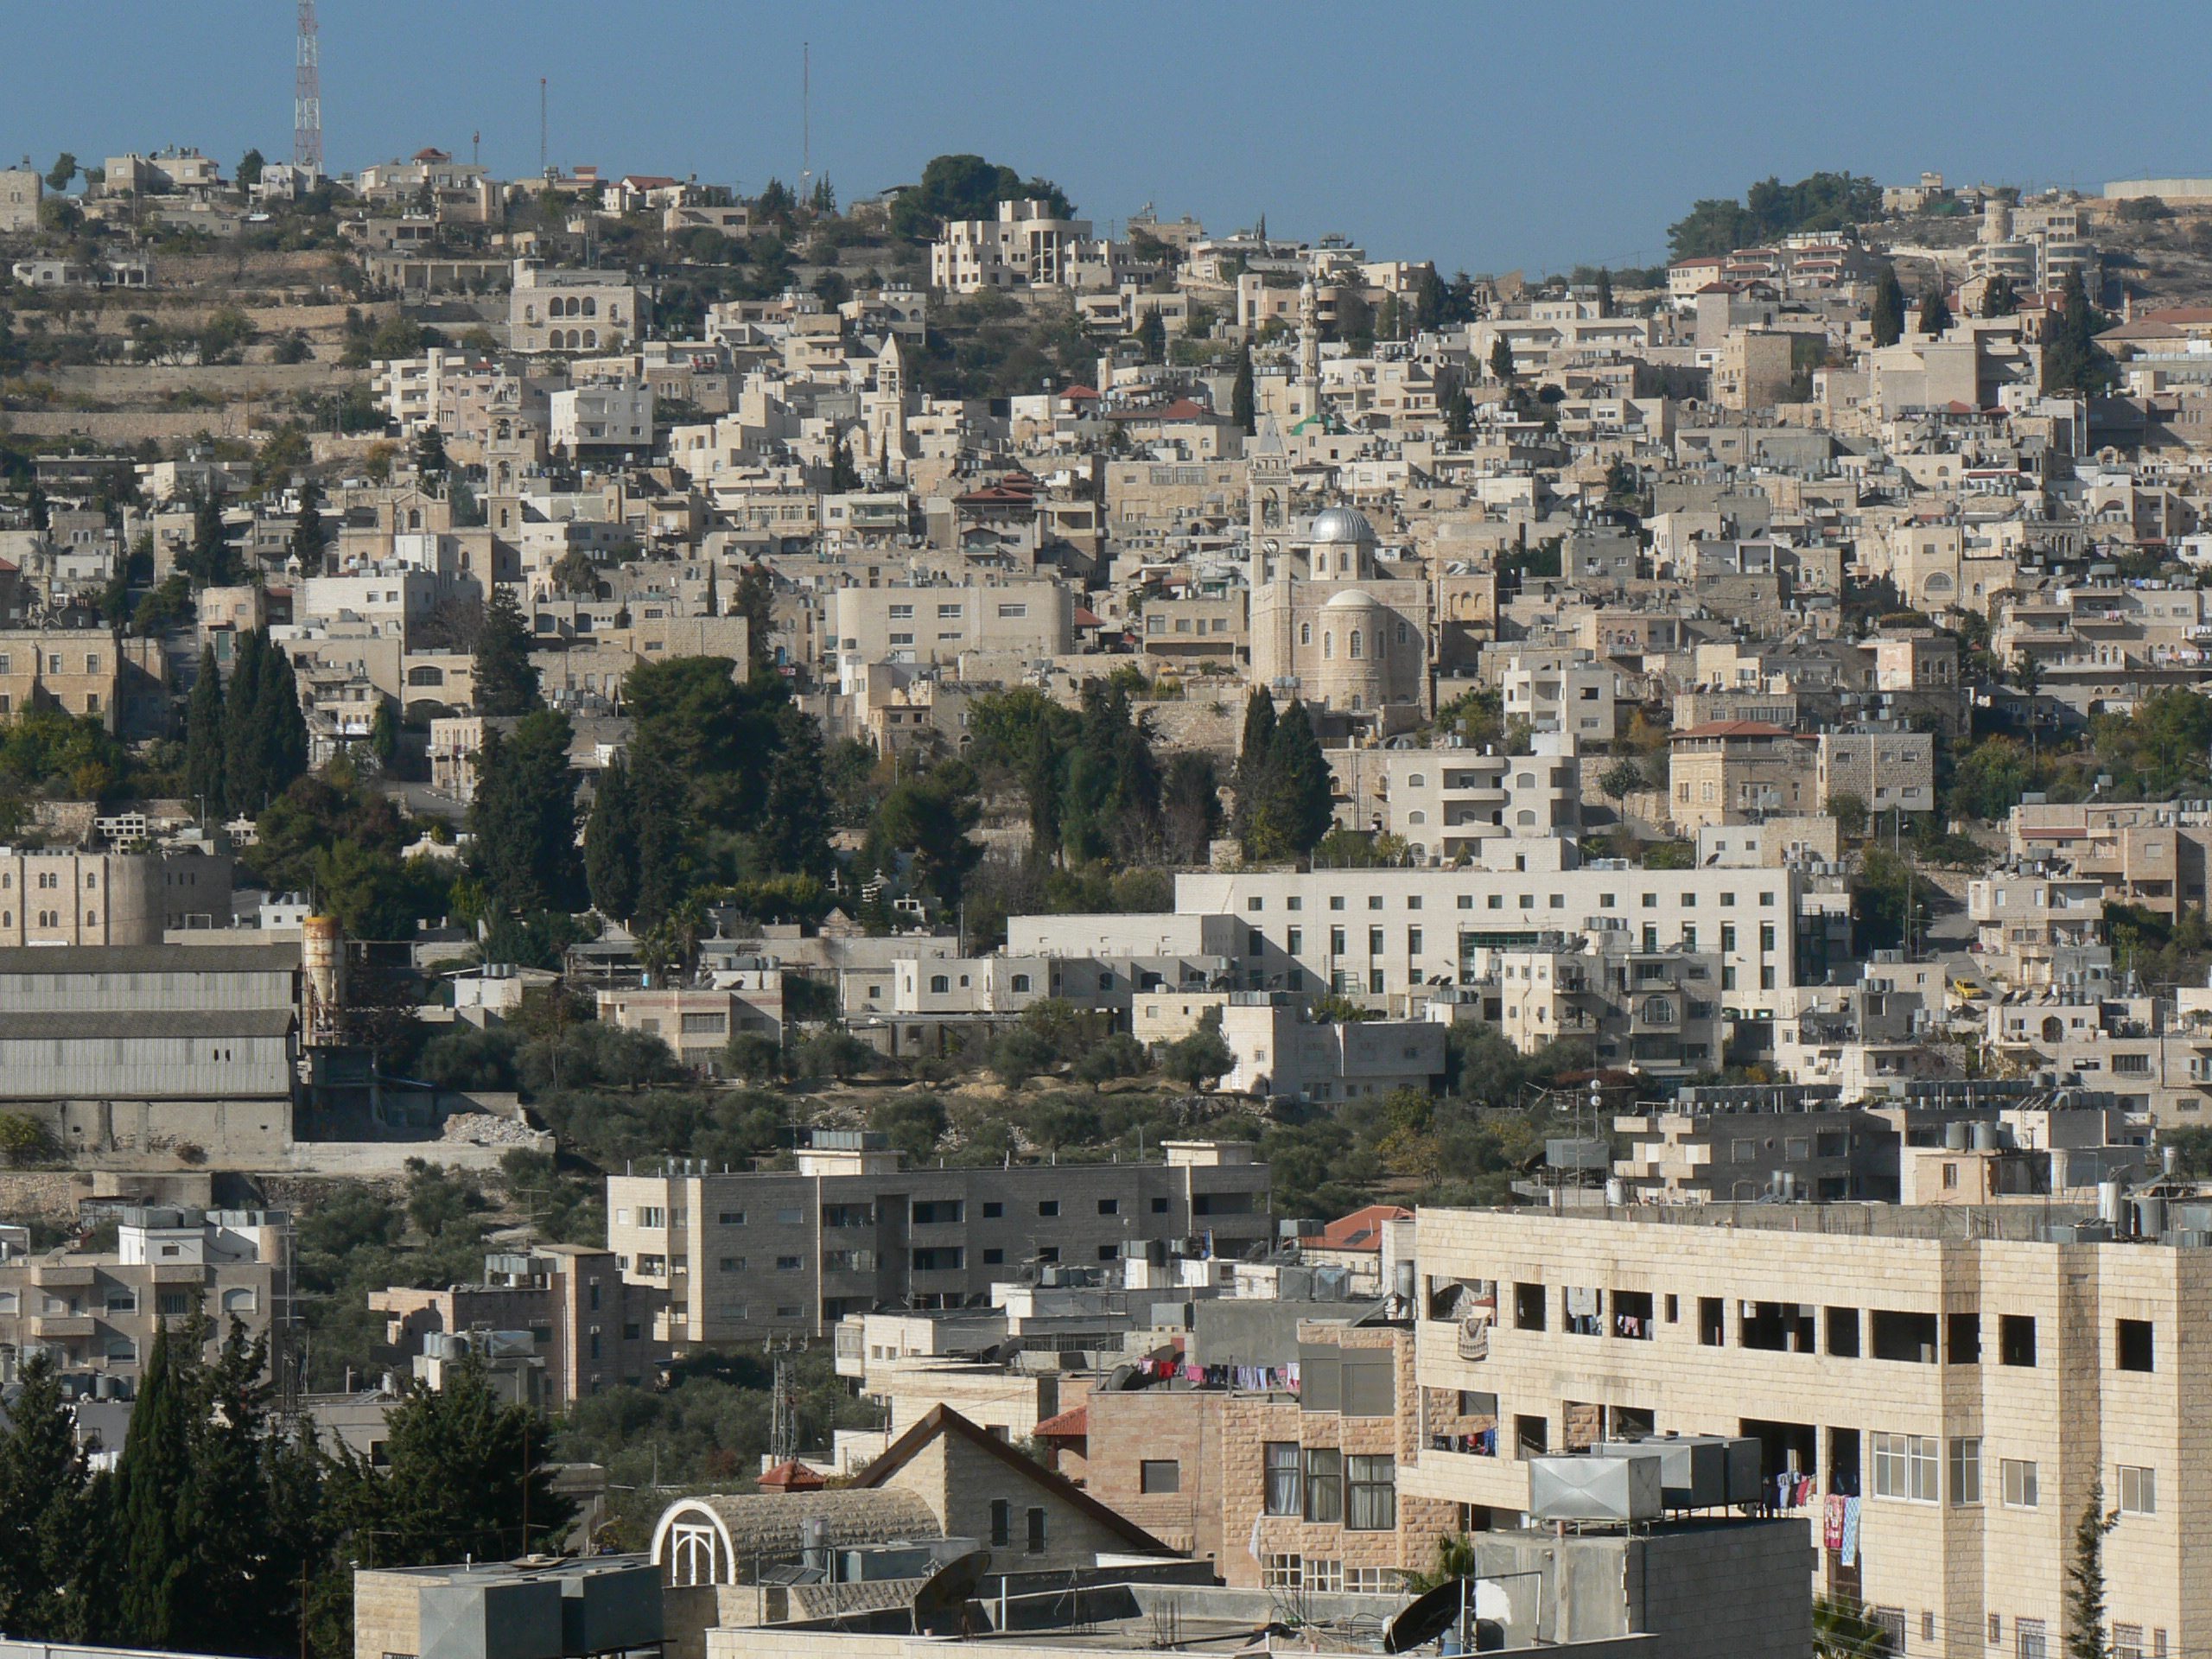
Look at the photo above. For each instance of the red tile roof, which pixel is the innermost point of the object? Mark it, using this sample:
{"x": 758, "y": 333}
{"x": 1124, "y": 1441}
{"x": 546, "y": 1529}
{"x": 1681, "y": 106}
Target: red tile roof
{"x": 1073, "y": 1424}
{"x": 1360, "y": 1231}
{"x": 792, "y": 1477}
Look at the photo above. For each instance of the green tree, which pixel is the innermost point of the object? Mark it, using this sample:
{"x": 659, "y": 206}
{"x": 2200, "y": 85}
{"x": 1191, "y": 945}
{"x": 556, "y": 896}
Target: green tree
{"x": 2072, "y": 359}
{"x": 1151, "y": 336}
{"x": 383, "y": 733}
{"x": 1604, "y": 292}
{"x": 1199, "y": 1059}
{"x": 1298, "y": 809}
{"x": 1255, "y": 768}
{"x": 42, "y": 1506}
{"x": 1842, "y": 1630}
{"x": 211, "y": 560}
{"x": 203, "y": 737}
{"x": 795, "y": 817}
{"x": 661, "y": 819}
{"x": 610, "y": 843}
{"x": 1999, "y": 298}
{"x": 280, "y": 723}
{"x": 754, "y": 599}
{"x": 1459, "y": 413}
{"x": 245, "y": 787}
{"x": 307, "y": 535}
{"x": 1501, "y": 367}
{"x": 1934, "y": 309}
{"x": 1620, "y": 780}
{"x": 1243, "y": 410}
{"x": 250, "y": 166}
{"x": 430, "y": 454}
{"x": 506, "y": 680}
{"x": 153, "y": 1537}
{"x": 1887, "y": 317}
{"x": 2087, "y": 1637}
{"x": 844, "y": 475}
{"x": 1190, "y": 806}
{"x": 524, "y": 816}
{"x": 929, "y": 817}
{"x": 63, "y": 170}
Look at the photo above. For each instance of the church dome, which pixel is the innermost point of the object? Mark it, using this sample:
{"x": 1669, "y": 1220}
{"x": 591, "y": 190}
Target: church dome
{"x": 1353, "y": 599}
{"x": 1342, "y": 524}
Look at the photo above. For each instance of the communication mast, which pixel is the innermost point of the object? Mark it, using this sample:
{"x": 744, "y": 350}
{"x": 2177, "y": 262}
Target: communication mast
{"x": 306, "y": 94}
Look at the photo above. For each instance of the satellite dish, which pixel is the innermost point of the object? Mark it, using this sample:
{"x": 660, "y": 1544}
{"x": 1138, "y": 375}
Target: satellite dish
{"x": 951, "y": 1586}
{"x": 1426, "y": 1617}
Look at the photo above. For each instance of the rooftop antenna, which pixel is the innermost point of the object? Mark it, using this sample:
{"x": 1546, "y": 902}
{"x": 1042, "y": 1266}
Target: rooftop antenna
{"x": 306, "y": 94}
{"x": 475, "y": 143}
{"x": 541, "y": 126}
{"x": 805, "y": 120}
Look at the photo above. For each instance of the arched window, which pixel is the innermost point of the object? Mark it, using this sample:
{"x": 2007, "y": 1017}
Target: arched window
{"x": 1306, "y": 633}
{"x": 939, "y": 984}
{"x": 1356, "y": 705}
{"x": 1328, "y": 645}
{"x": 1418, "y": 780}
{"x": 238, "y": 1300}
{"x": 426, "y": 674}
{"x": 591, "y": 336}
{"x": 1021, "y": 982}
{"x": 1524, "y": 816}
{"x": 1658, "y": 1011}
{"x": 1416, "y": 817}
{"x": 1525, "y": 780}
{"x": 1356, "y": 653}
{"x": 591, "y": 307}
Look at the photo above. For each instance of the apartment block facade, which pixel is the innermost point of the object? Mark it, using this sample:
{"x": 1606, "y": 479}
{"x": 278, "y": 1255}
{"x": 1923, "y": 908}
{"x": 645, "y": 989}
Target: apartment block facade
{"x": 1972, "y": 1384}
{"x": 851, "y": 1228}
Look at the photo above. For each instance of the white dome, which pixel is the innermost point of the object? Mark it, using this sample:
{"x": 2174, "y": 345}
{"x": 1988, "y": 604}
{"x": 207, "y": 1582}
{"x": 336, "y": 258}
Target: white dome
{"x": 1353, "y": 599}
{"x": 1342, "y": 524}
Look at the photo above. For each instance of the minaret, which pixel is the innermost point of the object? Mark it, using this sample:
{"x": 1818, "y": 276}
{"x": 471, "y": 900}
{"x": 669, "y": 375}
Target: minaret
{"x": 1309, "y": 350}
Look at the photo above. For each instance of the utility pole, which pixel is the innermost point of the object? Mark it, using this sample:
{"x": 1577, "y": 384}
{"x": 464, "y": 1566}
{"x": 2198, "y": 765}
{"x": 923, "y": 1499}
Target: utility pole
{"x": 805, "y": 121}
{"x": 541, "y": 126}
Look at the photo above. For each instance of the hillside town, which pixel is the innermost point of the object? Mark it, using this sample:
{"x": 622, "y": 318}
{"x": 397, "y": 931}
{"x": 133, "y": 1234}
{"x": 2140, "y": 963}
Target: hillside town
{"x": 953, "y": 921}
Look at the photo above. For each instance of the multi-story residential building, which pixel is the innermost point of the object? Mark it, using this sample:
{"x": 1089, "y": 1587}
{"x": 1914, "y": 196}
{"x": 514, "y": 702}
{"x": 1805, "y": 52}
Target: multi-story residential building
{"x": 2035, "y": 928}
{"x": 1027, "y": 618}
{"x": 1738, "y": 771}
{"x": 1024, "y": 244}
{"x": 77, "y": 671}
{"x": 587, "y": 1326}
{"x": 852, "y": 1228}
{"x": 1955, "y": 1388}
{"x": 1888, "y": 771}
{"x": 1656, "y": 1010}
{"x": 1452, "y": 803}
{"x": 601, "y": 416}
{"x": 697, "y": 1022}
{"x": 1416, "y": 928}
{"x": 1576, "y": 697}
{"x": 553, "y": 310}
{"x": 95, "y": 1314}
{"x": 1290, "y": 1489}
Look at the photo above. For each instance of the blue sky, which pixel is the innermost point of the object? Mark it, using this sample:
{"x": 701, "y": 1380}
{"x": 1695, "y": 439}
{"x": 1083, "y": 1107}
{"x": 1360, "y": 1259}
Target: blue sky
{"x": 1485, "y": 137}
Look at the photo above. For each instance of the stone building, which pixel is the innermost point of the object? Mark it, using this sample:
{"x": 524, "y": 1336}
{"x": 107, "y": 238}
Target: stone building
{"x": 1331, "y": 627}
{"x": 1952, "y": 1384}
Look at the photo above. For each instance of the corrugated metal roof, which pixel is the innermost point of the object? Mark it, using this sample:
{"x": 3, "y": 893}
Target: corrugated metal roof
{"x": 103, "y": 1026}
{"x": 148, "y": 959}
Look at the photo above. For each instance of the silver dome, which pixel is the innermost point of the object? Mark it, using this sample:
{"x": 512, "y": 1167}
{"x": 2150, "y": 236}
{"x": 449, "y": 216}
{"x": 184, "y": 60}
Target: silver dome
{"x": 1342, "y": 524}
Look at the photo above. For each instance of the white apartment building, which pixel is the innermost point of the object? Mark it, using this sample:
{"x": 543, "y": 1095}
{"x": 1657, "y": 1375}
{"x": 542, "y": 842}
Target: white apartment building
{"x": 1028, "y": 619}
{"x": 572, "y": 310}
{"x": 1023, "y": 244}
{"x": 1378, "y": 935}
{"x": 1280, "y": 1054}
{"x": 1575, "y": 697}
{"x": 1451, "y": 803}
{"x": 603, "y": 414}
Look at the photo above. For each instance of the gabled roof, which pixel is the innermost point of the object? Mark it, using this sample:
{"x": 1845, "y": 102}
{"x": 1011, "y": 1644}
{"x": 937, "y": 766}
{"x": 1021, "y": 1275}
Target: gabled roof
{"x": 941, "y": 1420}
{"x": 1073, "y": 1424}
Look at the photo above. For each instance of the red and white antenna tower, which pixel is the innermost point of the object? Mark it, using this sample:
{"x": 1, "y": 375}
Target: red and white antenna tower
{"x": 306, "y": 95}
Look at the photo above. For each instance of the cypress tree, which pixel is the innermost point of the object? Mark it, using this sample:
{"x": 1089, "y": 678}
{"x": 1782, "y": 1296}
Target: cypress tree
{"x": 1935, "y": 310}
{"x": 243, "y": 785}
{"x": 282, "y": 726}
{"x": 1241, "y": 407}
{"x": 43, "y": 1484}
{"x": 795, "y": 822}
{"x": 1604, "y": 292}
{"x": 506, "y": 680}
{"x": 154, "y": 1534}
{"x": 203, "y": 737}
{"x": 1502, "y": 367}
{"x": 1254, "y": 757}
{"x": 1888, "y": 314}
{"x": 1298, "y": 809}
{"x": 610, "y": 843}
{"x": 657, "y": 807}
{"x": 523, "y": 818}
{"x": 307, "y": 531}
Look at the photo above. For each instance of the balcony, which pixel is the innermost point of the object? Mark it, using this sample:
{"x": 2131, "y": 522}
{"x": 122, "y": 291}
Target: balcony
{"x": 53, "y": 1328}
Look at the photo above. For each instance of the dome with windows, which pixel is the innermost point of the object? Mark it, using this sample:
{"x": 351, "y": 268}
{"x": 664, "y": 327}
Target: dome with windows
{"x": 1342, "y": 524}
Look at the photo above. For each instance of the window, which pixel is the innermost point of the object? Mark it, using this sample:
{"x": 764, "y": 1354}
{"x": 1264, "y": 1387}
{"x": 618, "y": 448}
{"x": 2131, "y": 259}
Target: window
{"x": 2128, "y": 1642}
{"x": 1001, "y": 1522}
{"x": 1160, "y": 1475}
{"x": 732, "y": 1264}
{"x": 2133, "y": 1345}
{"x": 1905, "y": 1467}
{"x": 992, "y": 1208}
{"x": 940, "y": 984}
{"x": 1294, "y": 941}
{"x": 732, "y": 1219}
{"x": 1036, "y": 1516}
{"x": 1371, "y": 1494}
{"x": 2019, "y": 1477}
{"x": 1109, "y": 1206}
{"x": 1284, "y": 1488}
{"x": 1324, "y": 1483}
{"x": 2028, "y": 1639}
{"x": 1017, "y": 611}
{"x": 1048, "y": 1206}
{"x": 2016, "y": 1339}
{"x": 1966, "y": 1470}
{"x": 2138, "y": 1491}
